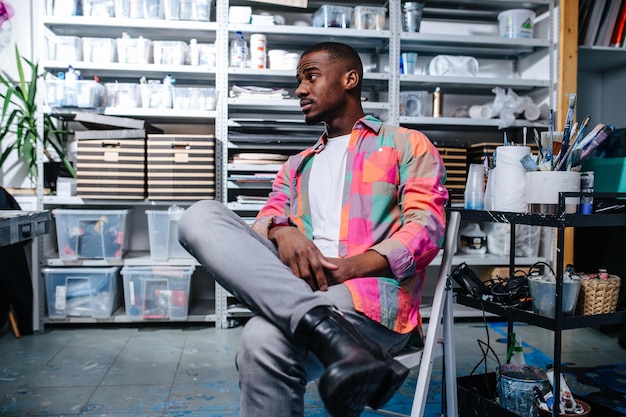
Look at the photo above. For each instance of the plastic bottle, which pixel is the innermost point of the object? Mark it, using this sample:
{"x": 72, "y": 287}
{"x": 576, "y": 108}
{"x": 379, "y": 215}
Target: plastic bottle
{"x": 517, "y": 355}
{"x": 194, "y": 54}
{"x": 239, "y": 52}
{"x": 437, "y": 103}
{"x": 472, "y": 240}
{"x": 71, "y": 92}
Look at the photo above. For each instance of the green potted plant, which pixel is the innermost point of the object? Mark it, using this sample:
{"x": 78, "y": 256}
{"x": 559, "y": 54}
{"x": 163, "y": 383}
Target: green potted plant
{"x": 18, "y": 121}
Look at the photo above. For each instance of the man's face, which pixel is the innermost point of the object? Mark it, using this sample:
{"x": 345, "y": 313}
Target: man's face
{"x": 320, "y": 87}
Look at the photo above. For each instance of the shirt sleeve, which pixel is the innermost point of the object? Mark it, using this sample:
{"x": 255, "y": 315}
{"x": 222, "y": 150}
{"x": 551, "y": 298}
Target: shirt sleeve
{"x": 277, "y": 210}
{"x": 422, "y": 199}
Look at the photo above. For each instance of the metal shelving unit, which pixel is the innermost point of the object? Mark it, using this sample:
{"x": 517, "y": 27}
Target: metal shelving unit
{"x": 283, "y": 117}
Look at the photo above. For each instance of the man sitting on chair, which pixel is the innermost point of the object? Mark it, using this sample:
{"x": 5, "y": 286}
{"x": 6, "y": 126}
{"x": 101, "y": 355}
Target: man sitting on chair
{"x": 334, "y": 263}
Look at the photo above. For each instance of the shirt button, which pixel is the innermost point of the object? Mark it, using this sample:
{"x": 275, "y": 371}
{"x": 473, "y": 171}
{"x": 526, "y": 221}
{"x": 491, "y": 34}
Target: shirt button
{"x": 380, "y": 149}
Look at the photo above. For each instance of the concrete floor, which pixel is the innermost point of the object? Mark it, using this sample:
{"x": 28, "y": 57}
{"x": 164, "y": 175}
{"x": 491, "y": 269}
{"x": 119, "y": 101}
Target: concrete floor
{"x": 189, "y": 371}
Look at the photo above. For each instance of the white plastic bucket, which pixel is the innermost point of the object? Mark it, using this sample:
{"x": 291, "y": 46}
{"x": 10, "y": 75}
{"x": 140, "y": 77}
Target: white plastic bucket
{"x": 516, "y": 23}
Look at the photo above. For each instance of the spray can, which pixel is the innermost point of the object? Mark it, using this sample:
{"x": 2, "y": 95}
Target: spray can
{"x": 437, "y": 103}
{"x": 586, "y": 186}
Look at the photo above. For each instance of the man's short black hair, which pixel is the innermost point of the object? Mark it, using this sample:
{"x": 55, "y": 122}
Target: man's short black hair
{"x": 340, "y": 52}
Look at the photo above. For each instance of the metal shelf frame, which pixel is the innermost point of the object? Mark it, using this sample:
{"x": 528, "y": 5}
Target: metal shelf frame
{"x": 561, "y": 220}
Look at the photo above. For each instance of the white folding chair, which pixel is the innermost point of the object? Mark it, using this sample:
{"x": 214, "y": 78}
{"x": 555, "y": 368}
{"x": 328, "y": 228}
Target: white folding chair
{"x": 441, "y": 319}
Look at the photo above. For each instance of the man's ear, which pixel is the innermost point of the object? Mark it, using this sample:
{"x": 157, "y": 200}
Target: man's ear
{"x": 351, "y": 80}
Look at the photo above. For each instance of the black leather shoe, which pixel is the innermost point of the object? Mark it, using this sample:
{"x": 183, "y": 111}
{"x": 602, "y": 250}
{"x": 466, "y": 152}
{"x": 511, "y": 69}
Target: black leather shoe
{"x": 395, "y": 376}
{"x": 357, "y": 371}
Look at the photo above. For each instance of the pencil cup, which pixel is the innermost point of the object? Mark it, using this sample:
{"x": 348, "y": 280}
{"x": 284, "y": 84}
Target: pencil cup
{"x": 474, "y": 188}
{"x": 543, "y": 187}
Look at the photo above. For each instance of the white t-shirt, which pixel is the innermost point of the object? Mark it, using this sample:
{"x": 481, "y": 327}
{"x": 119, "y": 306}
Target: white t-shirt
{"x": 325, "y": 194}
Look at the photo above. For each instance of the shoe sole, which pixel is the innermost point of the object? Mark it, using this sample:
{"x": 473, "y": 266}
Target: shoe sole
{"x": 394, "y": 378}
{"x": 345, "y": 392}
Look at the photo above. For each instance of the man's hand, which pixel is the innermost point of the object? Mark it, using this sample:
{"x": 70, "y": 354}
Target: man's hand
{"x": 302, "y": 256}
{"x": 367, "y": 264}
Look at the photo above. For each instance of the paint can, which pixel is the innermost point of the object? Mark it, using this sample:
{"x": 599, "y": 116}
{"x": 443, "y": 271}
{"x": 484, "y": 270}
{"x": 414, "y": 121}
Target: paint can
{"x": 515, "y": 387}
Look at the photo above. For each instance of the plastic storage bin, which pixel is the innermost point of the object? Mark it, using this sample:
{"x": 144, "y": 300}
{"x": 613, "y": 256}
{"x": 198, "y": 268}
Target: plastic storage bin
{"x": 156, "y": 292}
{"x": 193, "y": 98}
{"x": 103, "y": 50}
{"x": 90, "y": 94}
{"x": 134, "y": 50}
{"x": 170, "y": 52}
{"x": 188, "y": 10}
{"x": 65, "y": 48}
{"x": 126, "y": 95}
{"x": 368, "y": 17}
{"x": 163, "y": 231}
{"x": 155, "y": 95}
{"x": 98, "y": 8}
{"x": 62, "y": 8}
{"x": 91, "y": 292}
{"x": 92, "y": 234}
{"x": 413, "y": 103}
{"x": 329, "y": 16}
{"x": 204, "y": 54}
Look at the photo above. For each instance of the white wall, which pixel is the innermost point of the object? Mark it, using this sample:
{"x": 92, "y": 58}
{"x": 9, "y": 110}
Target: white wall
{"x": 24, "y": 36}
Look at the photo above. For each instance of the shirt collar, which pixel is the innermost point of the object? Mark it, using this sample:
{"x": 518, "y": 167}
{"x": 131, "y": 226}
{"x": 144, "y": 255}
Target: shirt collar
{"x": 366, "y": 122}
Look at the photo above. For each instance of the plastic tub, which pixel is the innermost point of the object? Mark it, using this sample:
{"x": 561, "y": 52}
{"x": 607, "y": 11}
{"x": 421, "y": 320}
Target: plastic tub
{"x": 134, "y": 50}
{"x": 516, "y": 23}
{"x": 91, "y": 292}
{"x": 91, "y": 234}
{"x": 193, "y": 98}
{"x": 65, "y": 48}
{"x": 199, "y": 10}
{"x": 98, "y": 8}
{"x": 90, "y": 94}
{"x": 329, "y": 16}
{"x": 62, "y": 8}
{"x": 157, "y": 293}
{"x": 170, "y": 52}
{"x": 413, "y": 103}
{"x": 163, "y": 231}
{"x": 55, "y": 93}
{"x": 368, "y": 17}
{"x": 126, "y": 95}
{"x": 155, "y": 95}
{"x": 101, "y": 50}
{"x": 203, "y": 54}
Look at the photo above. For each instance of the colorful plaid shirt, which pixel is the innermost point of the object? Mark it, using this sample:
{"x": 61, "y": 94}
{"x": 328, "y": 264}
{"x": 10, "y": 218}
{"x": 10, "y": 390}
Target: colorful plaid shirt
{"x": 393, "y": 203}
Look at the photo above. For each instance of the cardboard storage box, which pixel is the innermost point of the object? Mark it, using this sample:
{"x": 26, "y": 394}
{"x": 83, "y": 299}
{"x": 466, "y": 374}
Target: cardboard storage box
{"x": 91, "y": 234}
{"x": 181, "y": 167}
{"x": 159, "y": 292}
{"x": 111, "y": 160}
{"x": 90, "y": 292}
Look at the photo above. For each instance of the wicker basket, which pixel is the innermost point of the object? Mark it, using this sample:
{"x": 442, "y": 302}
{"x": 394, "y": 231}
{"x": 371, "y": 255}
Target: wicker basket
{"x": 597, "y": 295}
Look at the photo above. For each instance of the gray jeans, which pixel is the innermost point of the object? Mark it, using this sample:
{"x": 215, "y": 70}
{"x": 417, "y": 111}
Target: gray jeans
{"x": 273, "y": 368}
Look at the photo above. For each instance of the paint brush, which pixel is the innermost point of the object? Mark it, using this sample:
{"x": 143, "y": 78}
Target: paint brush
{"x": 538, "y": 142}
{"x": 604, "y": 133}
{"x": 565, "y": 153}
{"x": 547, "y": 139}
{"x": 569, "y": 119}
{"x": 581, "y": 131}
{"x": 528, "y": 162}
{"x": 557, "y": 141}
